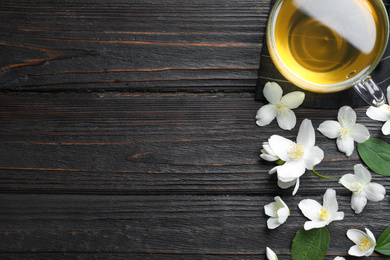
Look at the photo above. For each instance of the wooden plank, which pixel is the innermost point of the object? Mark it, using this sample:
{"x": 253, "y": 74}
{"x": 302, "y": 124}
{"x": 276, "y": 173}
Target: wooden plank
{"x": 131, "y": 45}
{"x": 162, "y": 227}
{"x": 144, "y": 143}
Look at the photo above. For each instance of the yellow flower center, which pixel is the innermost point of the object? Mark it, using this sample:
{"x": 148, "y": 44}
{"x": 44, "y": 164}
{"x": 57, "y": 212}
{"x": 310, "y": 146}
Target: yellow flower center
{"x": 276, "y": 209}
{"x": 323, "y": 214}
{"x": 356, "y": 188}
{"x": 363, "y": 243}
{"x": 346, "y": 130}
{"x": 281, "y": 109}
{"x": 296, "y": 152}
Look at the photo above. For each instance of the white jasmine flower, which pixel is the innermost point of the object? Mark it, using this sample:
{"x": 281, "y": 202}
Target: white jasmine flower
{"x": 345, "y": 130}
{"x": 298, "y": 156}
{"x": 365, "y": 242}
{"x": 271, "y": 255}
{"x": 278, "y": 212}
{"x": 339, "y": 258}
{"x": 381, "y": 113}
{"x": 321, "y": 216}
{"x": 362, "y": 188}
{"x": 279, "y": 106}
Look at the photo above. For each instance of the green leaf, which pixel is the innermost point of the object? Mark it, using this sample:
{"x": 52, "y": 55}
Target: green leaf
{"x": 280, "y": 162}
{"x": 375, "y": 154}
{"x": 321, "y": 176}
{"x": 383, "y": 243}
{"x": 310, "y": 245}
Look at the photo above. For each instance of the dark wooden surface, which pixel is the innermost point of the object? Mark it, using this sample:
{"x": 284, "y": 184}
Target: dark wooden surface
{"x": 127, "y": 131}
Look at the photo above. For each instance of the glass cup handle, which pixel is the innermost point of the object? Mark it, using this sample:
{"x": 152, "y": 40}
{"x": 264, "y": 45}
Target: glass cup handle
{"x": 370, "y": 92}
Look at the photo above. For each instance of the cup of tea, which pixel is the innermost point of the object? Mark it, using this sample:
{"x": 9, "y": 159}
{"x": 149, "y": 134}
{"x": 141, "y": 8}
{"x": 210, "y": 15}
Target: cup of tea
{"x": 327, "y": 46}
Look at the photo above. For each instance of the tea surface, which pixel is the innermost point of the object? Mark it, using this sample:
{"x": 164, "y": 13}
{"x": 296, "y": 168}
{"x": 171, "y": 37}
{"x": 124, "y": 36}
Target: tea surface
{"x": 329, "y": 41}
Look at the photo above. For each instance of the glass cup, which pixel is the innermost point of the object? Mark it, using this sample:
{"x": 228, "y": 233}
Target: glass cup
{"x": 328, "y": 46}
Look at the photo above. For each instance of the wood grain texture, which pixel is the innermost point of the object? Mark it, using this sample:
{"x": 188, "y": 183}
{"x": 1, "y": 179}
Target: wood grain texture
{"x": 127, "y": 131}
{"x": 160, "y": 227}
{"x": 145, "y": 143}
{"x": 131, "y": 45}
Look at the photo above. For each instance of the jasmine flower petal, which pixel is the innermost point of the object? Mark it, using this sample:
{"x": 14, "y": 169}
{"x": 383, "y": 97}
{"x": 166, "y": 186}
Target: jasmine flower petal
{"x": 306, "y": 134}
{"x": 291, "y": 170}
{"x": 347, "y": 114}
{"x": 288, "y": 121}
{"x": 265, "y": 115}
{"x": 281, "y": 146}
{"x": 330, "y": 129}
{"x": 360, "y": 133}
{"x": 386, "y": 128}
{"x": 310, "y": 209}
{"x": 363, "y": 175}
{"x": 375, "y": 192}
{"x": 345, "y": 145}
{"x": 293, "y": 99}
{"x": 379, "y": 113}
{"x": 272, "y": 92}
{"x": 270, "y": 254}
{"x": 358, "y": 202}
{"x": 316, "y": 156}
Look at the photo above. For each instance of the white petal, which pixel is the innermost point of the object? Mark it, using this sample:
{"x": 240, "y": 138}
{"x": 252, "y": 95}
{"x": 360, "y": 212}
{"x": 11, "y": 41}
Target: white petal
{"x": 286, "y": 185}
{"x": 272, "y": 92}
{"x": 268, "y": 149}
{"x": 355, "y": 251}
{"x": 388, "y": 93}
{"x": 283, "y": 214}
{"x": 270, "y": 254}
{"x": 378, "y": 113}
{"x": 281, "y": 146}
{"x": 291, "y": 170}
{"x": 330, "y": 129}
{"x": 345, "y": 145}
{"x": 293, "y": 99}
{"x": 363, "y": 175}
{"x": 313, "y": 224}
{"x": 386, "y": 128}
{"x": 273, "y": 223}
{"x": 287, "y": 121}
{"x": 306, "y": 135}
{"x": 265, "y": 115}
{"x": 270, "y": 209}
{"x": 312, "y": 157}
{"x": 268, "y": 157}
{"x": 339, "y": 258}
{"x": 280, "y": 202}
{"x": 349, "y": 181}
{"x": 296, "y": 187}
{"x": 371, "y": 236}
{"x": 330, "y": 202}
{"x": 339, "y": 216}
{"x": 347, "y": 114}
{"x": 273, "y": 170}
{"x": 360, "y": 133}
{"x": 310, "y": 209}
{"x": 375, "y": 191}
{"x": 358, "y": 202}
{"x": 355, "y": 234}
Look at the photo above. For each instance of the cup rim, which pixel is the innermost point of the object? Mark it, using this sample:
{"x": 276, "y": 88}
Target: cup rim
{"x": 315, "y": 87}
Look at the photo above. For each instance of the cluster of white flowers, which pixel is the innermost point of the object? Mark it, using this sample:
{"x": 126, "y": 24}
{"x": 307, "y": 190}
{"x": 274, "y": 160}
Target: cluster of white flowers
{"x": 294, "y": 158}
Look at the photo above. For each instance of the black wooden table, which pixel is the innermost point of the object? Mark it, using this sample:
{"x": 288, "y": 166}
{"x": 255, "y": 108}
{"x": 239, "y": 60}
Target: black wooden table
{"x": 127, "y": 131}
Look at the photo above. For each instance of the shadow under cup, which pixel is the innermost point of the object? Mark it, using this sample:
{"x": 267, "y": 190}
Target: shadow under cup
{"x": 328, "y": 46}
